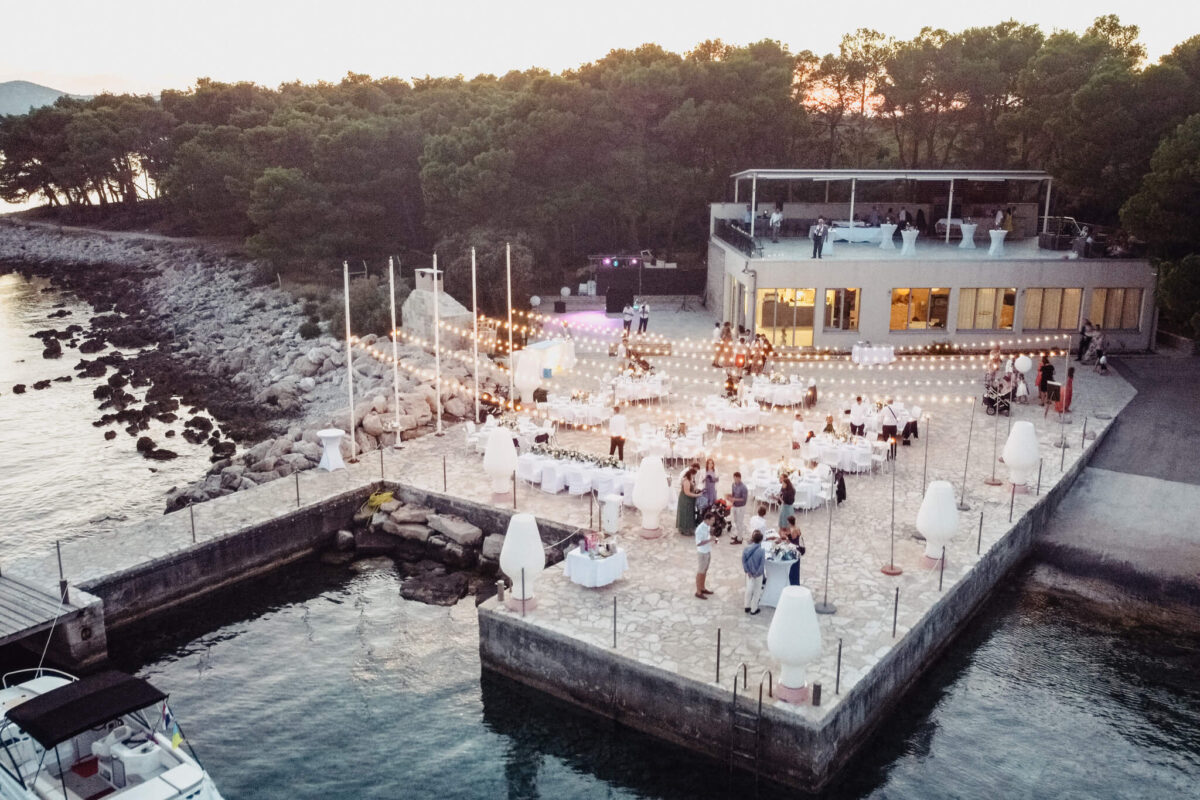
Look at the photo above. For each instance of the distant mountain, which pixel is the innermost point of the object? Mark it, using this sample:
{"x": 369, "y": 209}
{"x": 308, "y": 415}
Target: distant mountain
{"x": 18, "y": 97}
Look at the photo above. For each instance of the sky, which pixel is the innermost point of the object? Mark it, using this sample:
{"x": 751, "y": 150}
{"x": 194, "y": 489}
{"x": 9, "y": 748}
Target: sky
{"x": 144, "y": 46}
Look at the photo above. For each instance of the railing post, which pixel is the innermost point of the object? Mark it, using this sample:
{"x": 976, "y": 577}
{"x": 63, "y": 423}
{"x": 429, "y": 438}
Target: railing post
{"x": 942, "y": 568}
{"x": 895, "y": 612}
{"x": 62, "y": 581}
{"x": 718, "y": 655}
{"x": 192, "y": 517}
{"x": 837, "y": 683}
{"x": 1083, "y": 436}
{"x": 614, "y": 623}
{"x": 1039, "y": 484}
{"x": 444, "y": 475}
{"x": 297, "y": 474}
{"x": 381, "y": 462}
{"x": 979, "y": 541}
{"x": 522, "y": 592}
{"x": 1012, "y": 500}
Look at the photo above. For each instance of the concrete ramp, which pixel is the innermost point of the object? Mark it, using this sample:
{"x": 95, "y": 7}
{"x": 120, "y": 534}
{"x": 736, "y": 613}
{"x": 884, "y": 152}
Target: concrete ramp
{"x": 1139, "y": 532}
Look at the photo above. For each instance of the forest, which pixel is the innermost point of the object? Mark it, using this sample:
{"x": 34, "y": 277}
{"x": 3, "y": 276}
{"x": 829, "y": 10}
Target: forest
{"x": 625, "y": 152}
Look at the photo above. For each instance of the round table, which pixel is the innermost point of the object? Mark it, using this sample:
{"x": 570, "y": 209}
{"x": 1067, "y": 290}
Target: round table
{"x": 777, "y": 573}
{"x": 594, "y": 572}
{"x": 886, "y": 231}
{"x": 910, "y": 242}
{"x": 331, "y": 452}
{"x": 968, "y": 235}
{"x": 997, "y": 248}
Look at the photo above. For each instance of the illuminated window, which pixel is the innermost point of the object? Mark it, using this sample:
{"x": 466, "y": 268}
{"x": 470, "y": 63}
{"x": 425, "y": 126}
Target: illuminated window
{"x": 919, "y": 309}
{"x": 841, "y": 309}
{"x": 785, "y": 316}
{"x": 1116, "y": 309}
{"x": 1052, "y": 309}
{"x": 986, "y": 309}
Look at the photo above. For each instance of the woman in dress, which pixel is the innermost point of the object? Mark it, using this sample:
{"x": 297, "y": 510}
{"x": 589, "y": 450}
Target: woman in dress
{"x": 685, "y": 513}
{"x": 710, "y": 482}
{"x": 793, "y": 536}
{"x": 1045, "y": 375}
{"x": 787, "y": 499}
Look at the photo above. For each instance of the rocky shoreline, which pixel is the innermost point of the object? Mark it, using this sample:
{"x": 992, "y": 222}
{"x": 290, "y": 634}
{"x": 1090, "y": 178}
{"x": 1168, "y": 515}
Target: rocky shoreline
{"x": 189, "y": 320}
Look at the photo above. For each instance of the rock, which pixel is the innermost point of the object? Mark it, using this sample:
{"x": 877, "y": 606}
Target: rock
{"x": 42, "y": 385}
{"x": 224, "y": 449}
{"x": 94, "y": 369}
{"x": 260, "y": 477}
{"x": 110, "y": 435}
{"x": 373, "y": 424}
{"x": 369, "y": 542}
{"x": 307, "y": 449}
{"x": 412, "y": 532}
{"x": 19, "y": 388}
{"x": 491, "y": 546}
{"x": 440, "y": 590}
{"x": 456, "y": 529}
{"x": 267, "y": 464}
{"x": 199, "y": 423}
{"x": 344, "y": 541}
{"x": 145, "y": 444}
{"x": 411, "y": 514}
{"x": 160, "y": 454}
{"x": 456, "y": 407}
{"x": 63, "y": 379}
{"x": 231, "y": 476}
{"x": 450, "y": 553}
{"x": 390, "y": 506}
{"x": 92, "y": 346}
{"x": 380, "y": 405}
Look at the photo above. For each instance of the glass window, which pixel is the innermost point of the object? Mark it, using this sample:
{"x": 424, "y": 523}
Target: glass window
{"x": 785, "y": 316}
{"x": 841, "y": 309}
{"x": 919, "y": 309}
{"x": 986, "y": 309}
{"x": 1116, "y": 309}
{"x": 1052, "y": 309}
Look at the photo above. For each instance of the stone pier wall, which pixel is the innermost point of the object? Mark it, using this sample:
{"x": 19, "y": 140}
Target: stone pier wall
{"x": 697, "y": 715}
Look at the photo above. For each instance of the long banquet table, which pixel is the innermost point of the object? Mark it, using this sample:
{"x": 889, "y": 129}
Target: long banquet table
{"x": 873, "y": 354}
{"x": 843, "y": 230}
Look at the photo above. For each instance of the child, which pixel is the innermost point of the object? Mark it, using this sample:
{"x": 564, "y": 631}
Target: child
{"x": 1101, "y": 362}
{"x": 1022, "y": 389}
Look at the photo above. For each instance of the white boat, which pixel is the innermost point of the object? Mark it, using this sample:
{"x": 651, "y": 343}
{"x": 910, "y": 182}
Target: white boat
{"x": 107, "y": 735}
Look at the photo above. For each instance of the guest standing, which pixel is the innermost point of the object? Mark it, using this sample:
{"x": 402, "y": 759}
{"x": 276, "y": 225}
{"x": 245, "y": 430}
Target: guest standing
{"x": 738, "y": 496}
{"x": 627, "y": 317}
{"x": 711, "y": 479}
{"x": 798, "y": 433}
{"x": 754, "y": 565}
{"x": 818, "y": 233}
{"x": 787, "y": 499}
{"x": 776, "y": 222}
{"x": 685, "y": 513}
{"x": 704, "y": 540}
{"x": 793, "y": 536}
{"x": 1063, "y": 406}
{"x": 1085, "y": 339}
{"x": 858, "y": 417}
{"x": 716, "y": 343}
{"x": 1045, "y": 375}
{"x": 617, "y": 428}
{"x": 891, "y": 426}
{"x": 759, "y": 521}
{"x": 643, "y": 317}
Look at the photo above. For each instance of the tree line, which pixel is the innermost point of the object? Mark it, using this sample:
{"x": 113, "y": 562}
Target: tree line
{"x": 626, "y": 151}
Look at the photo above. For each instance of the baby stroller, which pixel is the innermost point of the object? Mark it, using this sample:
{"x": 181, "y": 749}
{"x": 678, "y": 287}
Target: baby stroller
{"x": 720, "y": 511}
{"x": 996, "y": 399}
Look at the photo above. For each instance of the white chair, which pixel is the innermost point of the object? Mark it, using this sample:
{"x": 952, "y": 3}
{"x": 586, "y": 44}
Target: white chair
{"x": 552, "y": 477}
{"x": 529, "y": 468}
{"x": 578, "y": 480}
{"x": 470, "y": 435}
{"x": 863, "y": 461}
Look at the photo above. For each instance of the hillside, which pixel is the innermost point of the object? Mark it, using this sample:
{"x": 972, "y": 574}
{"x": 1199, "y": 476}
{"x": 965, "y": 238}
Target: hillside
{"x": 17, "y": 97}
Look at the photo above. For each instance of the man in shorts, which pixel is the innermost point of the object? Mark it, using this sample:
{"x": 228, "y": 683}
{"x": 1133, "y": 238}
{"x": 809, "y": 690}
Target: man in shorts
{"x": 703, "y": 554}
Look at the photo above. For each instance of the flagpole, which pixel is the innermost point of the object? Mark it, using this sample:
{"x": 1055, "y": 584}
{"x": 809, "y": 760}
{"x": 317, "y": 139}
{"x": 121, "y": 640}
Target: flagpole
{"x": 395, "y": 356}
{"x": 437, "y": 346}
{"x": 349, "y": 361}
{"x": 475, "y": 341}
{"x": 512, "y": 401}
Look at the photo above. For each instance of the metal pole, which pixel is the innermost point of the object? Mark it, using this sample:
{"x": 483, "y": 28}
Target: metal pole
{"x": 895, "y": 612}
{"x": 395, "y": 354}
{"x": 992, "y": 481}
{"x": 1012, "y": 500}
{"x": 979, "y": 541}
{"x": 942, "y": 568}
{"x": 890, "y": 568}
{"x": 614, "y": 623}
{"x": 718, "y": 655}
{"x": 962, "y": 502}
{"x": 437, "y": 347}
{"x": 950, "y": 211}
{"x": 297, "y": 474}
{"x": 444, "y": 489}
{"x": 591, "y": 503}
{"x": 1083, "y": 436}
{"x": 753, "y": 204}
{"x": 925, "y": 469}
{"x": 381, "y": 463}
{"x": 349, "y": 362}
{"x": 514, "y": 480}
{"x": 475, "y": 341}
{"x": 191, "y": 516}
{"x": 837, "y": 683}
{"x": 522, "y": 591}
{"x": 853, "y": 186}
{"x": 825, "y": 607}
{"x": 1039, "y": 485}
{"x": 1046, "y": 215}
{"x": 511, "y": 370}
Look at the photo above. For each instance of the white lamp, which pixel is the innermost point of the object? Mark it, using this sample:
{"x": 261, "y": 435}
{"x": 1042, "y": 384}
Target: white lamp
{"x": 650, "y": 494}
{"x": 1021, "y": 454}
{"x": 522, "y": 550}
{"x": 937, "y": 521}
{"x": 535, "y": 301}
{"x": 1024, "y": 363}
{"x": 528, "y": 375}
{"x": 500, "y": 460}
{"x": 565, "y": 291}
{"x": 794, "y": 639}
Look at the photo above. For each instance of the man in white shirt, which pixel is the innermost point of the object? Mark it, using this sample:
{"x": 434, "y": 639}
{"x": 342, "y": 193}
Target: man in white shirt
{"x": 759, "y": 521}
{"x": 643, "y": 317}
{"x": 858, "y": 417}
{"x": 703, "y": 554}
{"x": 890, "y": 426}
{"x": 776, "y": 222}
{"x": 627, "y": 317}
{"x": 798, "y": 433}
{"x": 617, "y": 428}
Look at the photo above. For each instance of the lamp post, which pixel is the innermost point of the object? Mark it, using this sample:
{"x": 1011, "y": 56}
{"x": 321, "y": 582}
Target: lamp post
{"x": 475, "y": 337}
{"x": 826, "y": 607}
{"x": 962, "y": 503}
{"x": 349, "y": 361}
{"x": 437, "y": 347}
{"x": 395, "y": 356}
{"x": 508, "y": 278}
{"x": 890, "y": 568}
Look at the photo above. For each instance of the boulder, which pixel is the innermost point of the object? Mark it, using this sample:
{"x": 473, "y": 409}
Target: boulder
{"x": 344, "y": 541}
{"x": 390, "y": 506}
{"x": 410, "y": 531}
{"x": 373, "y": 424}
{"x": 369, "y": 542}
{"x": 492, "y": 544}
{"x": 440, "y": 590}
{"x": 452, "y": 554}
{"x": 456, "y": 407}
{"x": 456, "y": 529}
{"x": 414, "y": 514}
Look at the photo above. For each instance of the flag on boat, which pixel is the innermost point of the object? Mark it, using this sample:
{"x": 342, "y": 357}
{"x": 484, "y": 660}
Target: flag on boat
{"x": 171, "y": 727}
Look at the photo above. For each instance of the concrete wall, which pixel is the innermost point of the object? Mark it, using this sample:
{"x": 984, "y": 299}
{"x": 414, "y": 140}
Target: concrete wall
{"x": 697, "y": 715}
{"x": 876, "y": 278}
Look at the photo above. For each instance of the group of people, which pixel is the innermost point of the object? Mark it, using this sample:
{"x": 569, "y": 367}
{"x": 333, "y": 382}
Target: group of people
{"x": 746, "y": 358}
{"x": 1092, "y": 344}
{"x": 639, "y": 310}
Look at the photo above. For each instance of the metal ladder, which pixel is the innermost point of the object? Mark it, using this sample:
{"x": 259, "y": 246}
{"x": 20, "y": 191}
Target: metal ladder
{"x": 746, "y": 723}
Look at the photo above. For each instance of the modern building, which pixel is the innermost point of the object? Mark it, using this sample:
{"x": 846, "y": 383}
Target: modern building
{"x": 951, "y": 284}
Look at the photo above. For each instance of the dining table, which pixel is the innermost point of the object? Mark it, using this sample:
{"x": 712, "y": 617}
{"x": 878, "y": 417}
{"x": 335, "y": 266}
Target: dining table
{"x": 594, "y": 571}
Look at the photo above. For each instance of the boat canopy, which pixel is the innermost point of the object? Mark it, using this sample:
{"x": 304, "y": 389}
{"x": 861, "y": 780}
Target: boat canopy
{"x": 69, "y": 710}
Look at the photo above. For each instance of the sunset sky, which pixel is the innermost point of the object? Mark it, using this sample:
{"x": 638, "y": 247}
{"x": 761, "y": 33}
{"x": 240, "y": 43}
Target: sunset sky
{"x": 147, "y": 45}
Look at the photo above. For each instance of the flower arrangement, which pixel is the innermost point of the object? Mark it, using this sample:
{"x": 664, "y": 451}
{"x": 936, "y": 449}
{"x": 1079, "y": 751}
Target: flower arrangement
{"x": 566, "y": 454}
{"x": 778, "y": 379}
{"x": 779, "y": 550}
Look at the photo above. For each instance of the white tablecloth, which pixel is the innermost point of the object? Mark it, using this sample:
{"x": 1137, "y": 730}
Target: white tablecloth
{"x": 968, "y": 236}
{"x": 843, "y": 231}
{"x": 997, "y": 247}
{"x": 953, "y": 222}
{"x": 593, "y": 572}
{"x": 778, "y": 394}
{"x": 573, "y": 412}
{"x": 886, "y": 233}
{"x": 910, "y": 242}
{"x": 649, "y": 388}
{"x": 736, "y": 418}
{"x": 777, "y": 577}
{"x": 551, "y": 354}
{"x": 575, "y": 476}
{"x": 873, "y": 354}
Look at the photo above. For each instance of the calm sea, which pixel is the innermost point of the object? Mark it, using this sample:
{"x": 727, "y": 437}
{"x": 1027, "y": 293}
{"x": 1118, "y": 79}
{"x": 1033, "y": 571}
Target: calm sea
{"x": 321, "y": 682}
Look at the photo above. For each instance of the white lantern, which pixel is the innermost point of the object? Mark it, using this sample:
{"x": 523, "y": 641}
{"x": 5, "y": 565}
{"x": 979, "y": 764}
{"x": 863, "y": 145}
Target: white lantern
{"x": 794, "y": 639}
{"x": 527, "y": 377}
{"x": 1021, "y": 454}
{"x": 650, "y": 494}
{"x": 500, "y": 459}
{"x": 937, "y": 520}
{"x": 535, "y": 301}
{"x": 565, "y": 291}
{"x": 1024, "y": 363}
{"x": 522, "y": 552}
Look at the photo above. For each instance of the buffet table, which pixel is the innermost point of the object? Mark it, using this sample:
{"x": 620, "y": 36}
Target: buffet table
{"x": 651, "y": 387}
{"x": 873, "y": 354}
{"x": 844, "y": 230}
{"x": 581, "y": 568}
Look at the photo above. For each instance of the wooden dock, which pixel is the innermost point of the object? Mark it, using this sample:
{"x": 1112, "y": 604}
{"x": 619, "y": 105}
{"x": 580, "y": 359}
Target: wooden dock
{"x": 26, "y": 610}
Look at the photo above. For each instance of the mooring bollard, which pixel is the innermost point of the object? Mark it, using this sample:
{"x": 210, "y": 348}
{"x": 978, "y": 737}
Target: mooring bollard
{"x": 718, "y": 655}
{"x": 895, "y": 612}
{"x": 942, "y": 568}
{"x": 979, "y": 541}
{"x": 192, "y": 517}
{"x": 614, "y": 623}
{"x": 500, "y": 590}
{"x": 837, "y": 682}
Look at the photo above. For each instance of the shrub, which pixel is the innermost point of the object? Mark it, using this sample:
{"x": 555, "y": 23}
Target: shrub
{"x": 370, "y": 308}
{"x": 309, "y": 330}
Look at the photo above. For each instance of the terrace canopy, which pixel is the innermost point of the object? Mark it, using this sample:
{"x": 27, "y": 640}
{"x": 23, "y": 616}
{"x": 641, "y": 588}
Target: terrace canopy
{"x": 856, "y": 175}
